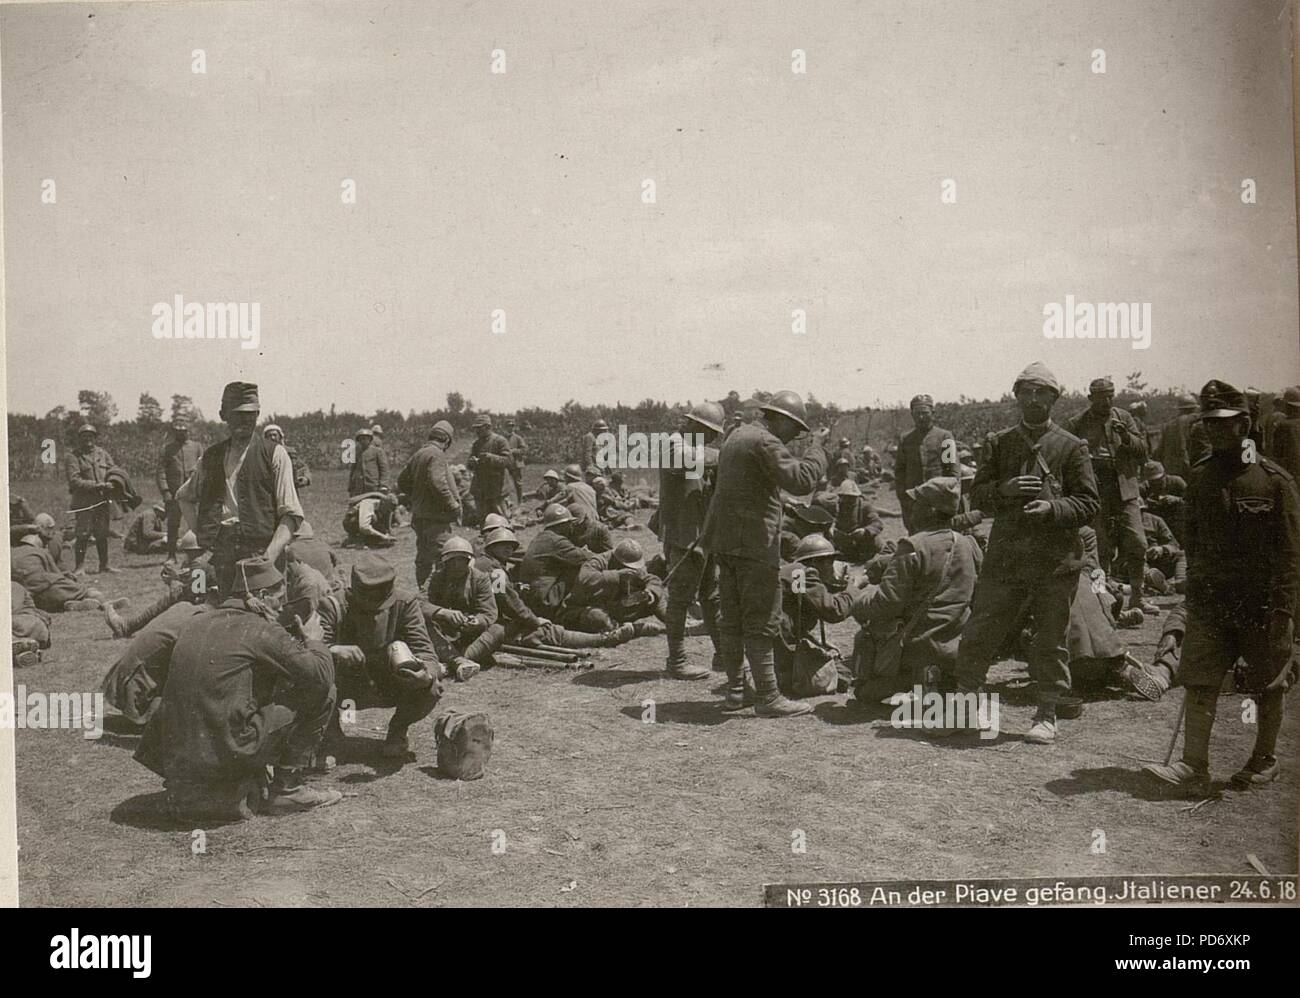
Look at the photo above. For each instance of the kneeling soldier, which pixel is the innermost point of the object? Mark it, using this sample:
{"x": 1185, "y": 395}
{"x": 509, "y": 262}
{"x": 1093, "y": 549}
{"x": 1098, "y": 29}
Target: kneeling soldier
{"x": 459, "y": 605}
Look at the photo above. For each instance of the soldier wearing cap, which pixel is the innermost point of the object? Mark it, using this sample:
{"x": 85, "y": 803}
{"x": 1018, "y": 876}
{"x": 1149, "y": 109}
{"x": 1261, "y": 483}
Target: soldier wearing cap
{"x": 1182, "y": 441}
{"x": 683, "y": 502}
{"x": 743, "y": 532}
{"x": 274, "y": 434}
{"x": 432, "y": 497}
{"x": 490, "y": 459}
{"x": 1243, "y": 577}
{"x": 1118, "y": 450}
{"x": 590, "y": 445}
{"x": 180, "y": 456}
{"x": 86, "y": 468}
{"x": 923, "y": 600}
{"x": 383, "y": 656}
{"x": 459, "y": 606}
{"x": 241, "y": 500}
{"x": 856, "y": 530}
{"x": 1036, "y": 479}
{"x": 1164, "y": 552}
{"x": 242, "y": 693}
{"x": 1285, "y": 434}
{"x": 369, "y": 465}
{"x": 926, "y": 452}
{"x": 518, "y": 457}
{"x": 368, "y": 521}
{"x": 1164, "y": 494}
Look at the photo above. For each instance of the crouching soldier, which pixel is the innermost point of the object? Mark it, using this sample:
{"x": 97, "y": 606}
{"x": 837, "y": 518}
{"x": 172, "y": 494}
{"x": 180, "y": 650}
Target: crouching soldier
{"x": 459, "y": 606}
{"x": 515, "y": 622}
{"x": 613, "y": 588}
{"x": 136, "y": 680}
{"x": 382, "y": 653}
{"x": 147, "y": 533}
{"x": 369, "y": 520}
{"x": 243, "y": 693}
{"x": 914, "y": 619}
{"x": 32, "y": 567}
{"x": 811, "y": 596}
{"x": 1243, "y": 576}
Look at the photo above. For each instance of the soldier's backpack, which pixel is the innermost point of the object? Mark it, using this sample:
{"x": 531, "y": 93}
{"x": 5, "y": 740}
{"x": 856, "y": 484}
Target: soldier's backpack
{"x": 464, "y": 744}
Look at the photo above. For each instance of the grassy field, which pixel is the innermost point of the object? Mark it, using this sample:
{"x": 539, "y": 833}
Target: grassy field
{"x": 586, "y": 804}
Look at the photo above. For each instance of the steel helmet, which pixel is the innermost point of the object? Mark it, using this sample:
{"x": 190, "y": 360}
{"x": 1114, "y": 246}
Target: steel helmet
{"x": 1188, "y": 403}
{"x": 456, "y": 547}
{"x": 814, "y": 546}
{"x": 629, "y": 553}
{"x": 788, "y": 404}
{"x": 552, "y": 474}
{"x": 600, "y": 424}
{"x": 709, "y": 415}
{"x": 502, "y": 535}
{"x": 555, "y": 514}
{"x": 572, "y": 473}
{"x": 493, "y": 521}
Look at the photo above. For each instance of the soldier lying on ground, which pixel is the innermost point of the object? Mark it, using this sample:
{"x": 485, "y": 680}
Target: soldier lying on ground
{"x": 30, "y": 628}
{"x": 53, "y": 591}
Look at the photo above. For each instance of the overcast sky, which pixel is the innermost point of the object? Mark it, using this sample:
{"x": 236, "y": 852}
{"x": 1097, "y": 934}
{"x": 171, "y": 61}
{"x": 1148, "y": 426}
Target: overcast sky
{"x": 522, "y": 191}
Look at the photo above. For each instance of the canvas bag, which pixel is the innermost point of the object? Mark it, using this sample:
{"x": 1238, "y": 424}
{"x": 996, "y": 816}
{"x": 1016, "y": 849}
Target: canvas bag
{"x": 464, "y": 744}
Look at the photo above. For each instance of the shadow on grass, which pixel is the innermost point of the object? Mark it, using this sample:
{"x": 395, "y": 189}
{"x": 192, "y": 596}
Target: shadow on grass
{"x": 149, "y": 813}
{"x": 708, "y": 713}
{"x": 961, "y": 742}
{"x": 366, "y": 752}
{"x": 1133, "y": 782}
{"x": 608, "y": 679}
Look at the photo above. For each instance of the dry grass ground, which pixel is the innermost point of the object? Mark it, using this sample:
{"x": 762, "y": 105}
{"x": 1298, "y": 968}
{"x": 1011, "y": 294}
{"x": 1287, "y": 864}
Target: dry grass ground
{"x": 596, "y": 807}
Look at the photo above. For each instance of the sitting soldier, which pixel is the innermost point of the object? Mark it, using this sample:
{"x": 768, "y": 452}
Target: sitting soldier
{"x": 612, "y": 588}
{"x": 30, "y": 628}
{"x": 243, "y": 692}
{"x": 187, "y": 582}
{"x": 1164, "y": 495}
{"x": 459, "y": 606}
{"x": 52, "y": 590}
{"x": 1164, "y": 554}
{"x": 382, "y": 652}
{"x": 856, "y": 530}
{"x": 610, "y": 508}
{"x": 811, "y": 595}
{"x": 368, "y": 521}
{"x": 515, "y": 622}
{"x": 147, "y": 533}
{"x": 588, "y": 531}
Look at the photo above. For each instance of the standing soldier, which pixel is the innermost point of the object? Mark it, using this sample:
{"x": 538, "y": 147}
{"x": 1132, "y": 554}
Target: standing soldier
{"x": 518, "y": 454}
{"x": 433, "y": 498}
{"x": 1285, "y": 434}
{"x": 1118, "y": 451}
{"x": 589, "y": 447}
{"x": 1181, "y": 439}
{"x": 1037, "y": 481}
{"x": 1138, "y": 410}
{"x": 683, "y": 502}
{"x": 928, "y": 451}
{"x": 369, "y": 467}
{"x": 180, "y": 456}
{"x": 743, "y": 530}
{"x": 87, "y": 470}
{"x": 1243, "y": 576}
{"x": 274, "y": 434}
{"x": 489, "y": 459}
{"x": 241, "y": 501}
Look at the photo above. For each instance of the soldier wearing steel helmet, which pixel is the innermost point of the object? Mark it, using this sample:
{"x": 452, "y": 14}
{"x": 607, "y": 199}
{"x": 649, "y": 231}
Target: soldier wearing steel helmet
{"x": 1243, "y": 576}
{"x": 742, "y": 531}
{"x": 683, "y": 502}
{"x": 459, "y": 606}
{"x": 811, "y": 595}
{"x": 589, "y": 445}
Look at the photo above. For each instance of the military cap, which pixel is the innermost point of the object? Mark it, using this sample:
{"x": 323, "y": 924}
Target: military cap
{"x": 1292, "y": 397}
{"x": 1152, "y": 470}
{"x": 373, "y": 572}
{"x": 1252, "y": 392}
{"x": 482, "y": 419}
{"x": 921, "y": 400}
{"x": 1037, "y": 375}
{"x": 1188, "y": 402}
{"x": 304, "y": 584}
{"x": 552, "y": 474}
{"x": 255, "y": 574}
{"x": 843, "y": 461}
{"x": 441, "y": 429}
{"x": 849, "y": 487}
{"x": 1098, "y": 385}
{"x": 240, "y": 396}
{"x": 365, "y": 431}
{"x": 942, "y": 494}
{"x": 1220, "y": 400}
{"x": 181, "y": 421}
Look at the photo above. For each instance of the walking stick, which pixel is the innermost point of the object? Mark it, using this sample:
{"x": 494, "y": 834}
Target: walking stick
{"x": 695, "y": 546}
{"x": 1178, "y": 726}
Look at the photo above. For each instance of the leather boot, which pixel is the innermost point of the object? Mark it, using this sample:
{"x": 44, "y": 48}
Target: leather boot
{"x": 123, "y": 626}
{"x": 768, "y": 701}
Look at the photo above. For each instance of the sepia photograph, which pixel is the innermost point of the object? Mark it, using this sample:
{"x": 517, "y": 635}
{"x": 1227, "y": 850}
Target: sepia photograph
{"x": 651, "y": 453}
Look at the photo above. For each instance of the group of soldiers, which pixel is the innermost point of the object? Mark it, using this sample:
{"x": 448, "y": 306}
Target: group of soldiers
{"x": 236, "y": 670}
